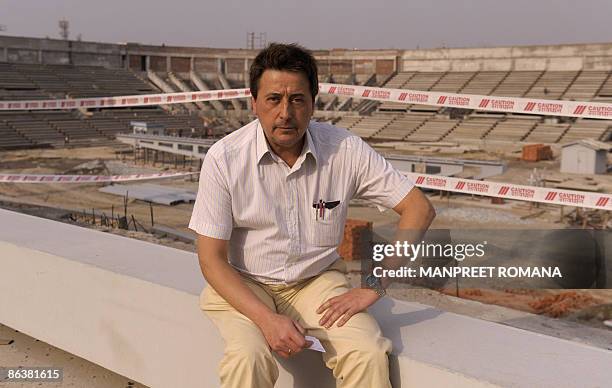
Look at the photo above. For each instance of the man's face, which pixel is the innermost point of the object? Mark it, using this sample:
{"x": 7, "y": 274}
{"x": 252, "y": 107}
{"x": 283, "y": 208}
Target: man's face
{"x": 284, "y": 107}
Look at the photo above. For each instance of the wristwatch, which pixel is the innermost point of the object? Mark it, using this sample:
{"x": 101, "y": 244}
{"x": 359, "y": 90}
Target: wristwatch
{"x": 372, "y": 282}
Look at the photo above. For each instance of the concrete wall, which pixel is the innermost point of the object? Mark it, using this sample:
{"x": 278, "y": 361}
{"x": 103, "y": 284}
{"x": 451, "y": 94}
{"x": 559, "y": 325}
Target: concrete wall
{"x": 341, "y": 62}
{"x": 553, "y": 57}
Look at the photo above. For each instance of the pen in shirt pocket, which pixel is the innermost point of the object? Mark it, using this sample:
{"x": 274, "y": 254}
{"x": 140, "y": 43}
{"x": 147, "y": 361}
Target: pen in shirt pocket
{"x": 321, "y": 206}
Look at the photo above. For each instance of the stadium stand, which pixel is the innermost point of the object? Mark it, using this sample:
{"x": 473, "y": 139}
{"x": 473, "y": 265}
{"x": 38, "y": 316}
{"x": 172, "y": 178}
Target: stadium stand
{"x": 432, "y": 130}
{"x": 484, "y": 82}
{"x": 571, "y": 85}
{"x": 389, "y": 121}
{"x": 605, "y": 91}
{"x": 35, "y": 127}
{"x": 453, "y": 82}
{"x": 11, "y": 139}
{"x": 370, "y": 125}
{"x": 546, "y": 133}
{"x": 402, "y": 126}
{"x": 61, "y": 128}
{"x": 512, "y": 128}
{"x": 588, "y": 129}
{"x": 586, "y": 85}
{"x": 552, "y": 84}
{"x": 473, "y": 128}
{"x": 60, "y": 81}
{"x": 348, "y": 121}
{"x": 517, "y": 83}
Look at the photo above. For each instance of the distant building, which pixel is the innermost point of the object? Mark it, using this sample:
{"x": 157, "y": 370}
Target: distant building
{"x": 142, "y": 128}
{"x": 585, "y": 157}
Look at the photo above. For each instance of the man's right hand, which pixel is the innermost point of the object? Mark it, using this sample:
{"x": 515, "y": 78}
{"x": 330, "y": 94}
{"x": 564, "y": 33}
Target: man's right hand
{"x": 284, "y": 335}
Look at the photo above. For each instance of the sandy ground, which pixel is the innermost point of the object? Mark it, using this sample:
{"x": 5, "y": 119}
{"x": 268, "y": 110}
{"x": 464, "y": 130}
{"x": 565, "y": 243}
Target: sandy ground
{"x": 582, "y": 310}
{"x": 26, "y": 351}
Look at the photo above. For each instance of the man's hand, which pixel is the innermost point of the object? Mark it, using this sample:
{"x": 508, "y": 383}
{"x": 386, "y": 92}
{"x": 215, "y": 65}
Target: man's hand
{"x": 284, "y": 335}
{"x": 345, "y": 306}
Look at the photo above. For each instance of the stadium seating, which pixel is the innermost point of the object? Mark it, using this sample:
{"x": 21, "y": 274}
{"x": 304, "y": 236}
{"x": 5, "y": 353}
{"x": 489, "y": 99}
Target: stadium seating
{"x": 585, "y": 128}
{"x": 10, "y": 139}
{"x": 348, "y": 121}
{"x": 512, "y": 128}
{"x": 473, "y": 128}
{"x": 60, "y": 81}
{"x": 552, "y": 84}
{"x": 547, "y": 133}
{"x": 370, "y": 125}
{"x": 432, "y": 130}
{"x": 586, "y": 85}
{"x": 402, "y": 126}
{"x": 484, "y": 82}
{"x": 517, "y": 83}
{"x": 389, "y": 121}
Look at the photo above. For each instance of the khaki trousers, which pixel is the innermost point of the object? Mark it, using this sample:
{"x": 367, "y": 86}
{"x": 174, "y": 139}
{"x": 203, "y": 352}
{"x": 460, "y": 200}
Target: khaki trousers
{"x": 356, "y": 352}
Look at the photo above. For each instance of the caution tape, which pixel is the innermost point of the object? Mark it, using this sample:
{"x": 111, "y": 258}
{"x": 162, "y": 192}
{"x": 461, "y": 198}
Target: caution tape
{"x": 585, "y": 109}
{"x": 512, "y": 191}
{"x": 435, "y": 182}
{"x": 39, "y": 178}
{"x": 126, "y": 101}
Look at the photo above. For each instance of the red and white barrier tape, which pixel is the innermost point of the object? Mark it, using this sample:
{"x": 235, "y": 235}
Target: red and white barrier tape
{"x": 436, "y": 182}
{"x": 126, "y": 101}
{"x": 585, "y": 109}
{"x": 38, "y": 178}
{"x": 512, "y": 191}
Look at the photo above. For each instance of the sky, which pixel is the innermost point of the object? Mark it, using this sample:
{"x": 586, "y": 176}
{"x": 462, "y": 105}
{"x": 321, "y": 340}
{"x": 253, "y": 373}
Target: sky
{"x": 317, "y": 24}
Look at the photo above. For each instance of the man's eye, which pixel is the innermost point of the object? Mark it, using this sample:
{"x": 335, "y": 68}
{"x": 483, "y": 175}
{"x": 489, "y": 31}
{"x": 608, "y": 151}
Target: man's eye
{"x": 273, "y": 99}
{"x": 298, "y": 100}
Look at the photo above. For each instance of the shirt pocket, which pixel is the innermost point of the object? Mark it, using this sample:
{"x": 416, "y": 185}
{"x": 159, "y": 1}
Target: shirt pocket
{"x": 327, "y": 231}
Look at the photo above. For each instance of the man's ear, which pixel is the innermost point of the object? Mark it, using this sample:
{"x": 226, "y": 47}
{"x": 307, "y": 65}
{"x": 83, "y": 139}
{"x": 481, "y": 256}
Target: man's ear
{"x": 253, "y": 105}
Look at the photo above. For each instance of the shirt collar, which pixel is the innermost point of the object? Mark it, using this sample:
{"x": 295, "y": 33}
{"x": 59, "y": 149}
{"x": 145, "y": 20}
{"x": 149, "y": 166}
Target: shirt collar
{"x": 263, "y": 147}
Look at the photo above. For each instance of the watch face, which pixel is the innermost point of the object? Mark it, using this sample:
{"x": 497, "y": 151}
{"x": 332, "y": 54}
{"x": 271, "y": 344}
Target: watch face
{"x": 371, "y": 281}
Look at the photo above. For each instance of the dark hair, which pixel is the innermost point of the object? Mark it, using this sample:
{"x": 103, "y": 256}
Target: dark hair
{"x": 287, "y": 57}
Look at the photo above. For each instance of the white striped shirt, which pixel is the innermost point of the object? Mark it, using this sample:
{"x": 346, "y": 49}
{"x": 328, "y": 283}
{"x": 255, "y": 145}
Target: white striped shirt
{"x": 249, "y": 196}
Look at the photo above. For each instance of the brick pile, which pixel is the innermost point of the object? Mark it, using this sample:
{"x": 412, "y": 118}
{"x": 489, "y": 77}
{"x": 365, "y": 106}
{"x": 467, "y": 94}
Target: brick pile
{"x": 356, "y": 242}
{"x": 536, "y": 152}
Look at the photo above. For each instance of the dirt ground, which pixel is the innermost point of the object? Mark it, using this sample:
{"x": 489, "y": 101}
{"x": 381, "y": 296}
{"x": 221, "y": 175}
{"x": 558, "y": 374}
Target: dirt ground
{"x": 18, "y": 349}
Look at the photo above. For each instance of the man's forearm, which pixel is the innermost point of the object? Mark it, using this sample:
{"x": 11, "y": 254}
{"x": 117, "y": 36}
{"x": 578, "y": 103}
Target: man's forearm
{"x": 416, "y": 215}
{"x": 228, "y": 283}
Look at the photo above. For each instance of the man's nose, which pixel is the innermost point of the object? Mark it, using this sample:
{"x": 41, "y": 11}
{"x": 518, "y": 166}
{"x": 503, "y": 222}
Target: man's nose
{"x": 285, "y": 109}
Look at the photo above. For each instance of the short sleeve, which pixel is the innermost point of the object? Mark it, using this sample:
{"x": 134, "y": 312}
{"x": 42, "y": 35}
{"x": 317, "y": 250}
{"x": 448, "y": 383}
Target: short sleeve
{"x": 377, "y": 180}
{"x": 212, "y": 211}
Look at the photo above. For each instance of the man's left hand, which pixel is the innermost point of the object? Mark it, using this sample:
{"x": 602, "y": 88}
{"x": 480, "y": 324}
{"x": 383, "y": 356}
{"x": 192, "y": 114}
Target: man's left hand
{"x": 345, "y": 306}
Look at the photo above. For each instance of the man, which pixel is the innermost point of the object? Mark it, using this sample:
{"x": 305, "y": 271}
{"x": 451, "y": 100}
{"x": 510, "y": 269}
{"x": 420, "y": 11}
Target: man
{"x": 270, "y": 213}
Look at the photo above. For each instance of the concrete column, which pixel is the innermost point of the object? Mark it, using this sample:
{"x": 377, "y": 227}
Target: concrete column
{"x": 40, "y": 56}
{"x": 220, "y": 67}
{"x": 5, "y": 54}
{"x": 192, "y": 64}
{"x": 168, "y": 63}
{"x": 247, "y": 85}
{"x": 148, "y": 63}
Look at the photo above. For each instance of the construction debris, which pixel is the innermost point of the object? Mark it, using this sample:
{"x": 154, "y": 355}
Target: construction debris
{"x": 149, "y": 192}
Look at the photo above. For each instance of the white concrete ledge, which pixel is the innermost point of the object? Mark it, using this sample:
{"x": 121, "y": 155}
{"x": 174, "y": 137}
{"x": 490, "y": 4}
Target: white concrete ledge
{"x": 132, "y": 307}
